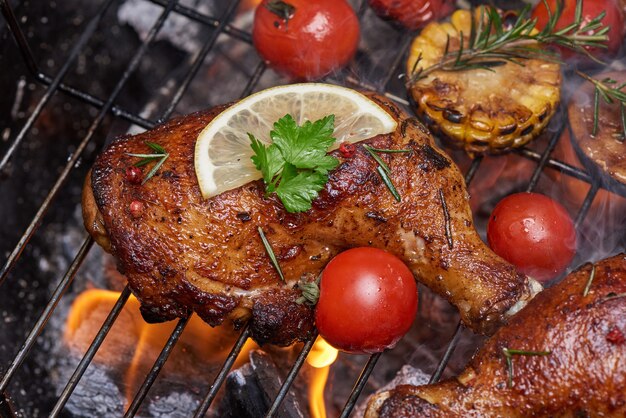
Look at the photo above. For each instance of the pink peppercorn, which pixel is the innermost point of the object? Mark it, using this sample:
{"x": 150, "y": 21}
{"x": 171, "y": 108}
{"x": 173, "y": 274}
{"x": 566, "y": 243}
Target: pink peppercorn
{"x": 134, "y": 175}
{"x": 347, "y": 149}
{"x": 136, "y": 209}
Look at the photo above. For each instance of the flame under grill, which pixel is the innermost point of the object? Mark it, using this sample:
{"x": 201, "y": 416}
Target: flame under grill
{"x": 217, "y": 25}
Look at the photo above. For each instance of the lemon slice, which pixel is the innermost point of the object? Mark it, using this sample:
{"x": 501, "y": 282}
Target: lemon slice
{"x": 222, "y": 155}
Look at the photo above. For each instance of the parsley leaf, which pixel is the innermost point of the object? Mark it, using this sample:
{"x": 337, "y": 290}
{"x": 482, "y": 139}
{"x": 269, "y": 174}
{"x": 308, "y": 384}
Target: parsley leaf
{"x": 298, "y": 189}
{"x": 267, "y": 159}
{"x": 296, "y": 164}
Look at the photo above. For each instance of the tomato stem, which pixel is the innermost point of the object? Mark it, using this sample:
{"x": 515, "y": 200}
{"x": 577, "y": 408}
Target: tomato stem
{"x": 282, "y": 9}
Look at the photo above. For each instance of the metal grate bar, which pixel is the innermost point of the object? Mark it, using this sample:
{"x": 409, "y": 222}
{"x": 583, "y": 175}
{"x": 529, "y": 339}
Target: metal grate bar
{"x": 406, "y": 41}
{"x": 558, "y": 165}
{"x": 586, "y": 205}
{"x": 25, "y": 50}
{"x": 73, "y": 159}
{"x": 91, "y": 352}
{"x": 99, "y": 103}
{"x": 221, "y": 376}
{"x": 45, "y": 315}
{"x": 198, "y": 61}
{"x": 359, "y": 385}
{"x": 447, "y": 354}
{"x": 254, "y": 80}
{"x": 284, "y": 389}
{"x": 209, "y": 21}
{"x": 84, "y": 37}
{"x": 156, "y": 367}
{"x": 546, "y": 153}
{"x": 471, "y": 172}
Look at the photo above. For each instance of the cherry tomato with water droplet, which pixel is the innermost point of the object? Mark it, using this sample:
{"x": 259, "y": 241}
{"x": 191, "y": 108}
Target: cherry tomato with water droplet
{"x": 534, "y": 233}
{"x": 368, "y": 300}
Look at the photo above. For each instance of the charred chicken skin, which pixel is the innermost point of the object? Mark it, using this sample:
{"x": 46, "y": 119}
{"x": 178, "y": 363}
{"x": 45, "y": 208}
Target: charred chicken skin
{"x": 182, "y": 253}
{"x": 583, "y": 375}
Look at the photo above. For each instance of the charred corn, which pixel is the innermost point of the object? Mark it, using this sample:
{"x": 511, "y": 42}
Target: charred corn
{"x": 477, "y": 109}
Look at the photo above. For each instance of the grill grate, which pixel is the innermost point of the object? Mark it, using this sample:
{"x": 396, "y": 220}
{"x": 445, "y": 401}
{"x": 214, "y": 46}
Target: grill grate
{"x": 219, "y": 26}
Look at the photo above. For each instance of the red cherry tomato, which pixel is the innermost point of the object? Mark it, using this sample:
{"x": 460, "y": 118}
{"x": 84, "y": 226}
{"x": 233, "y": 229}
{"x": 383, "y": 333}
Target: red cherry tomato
{"x": 412, "y": 14}
{"x": 534, "y": 233}
{"x": 591, "y": 9}
{"x": 305, "y": 39}
{"x": 368, "y": 301}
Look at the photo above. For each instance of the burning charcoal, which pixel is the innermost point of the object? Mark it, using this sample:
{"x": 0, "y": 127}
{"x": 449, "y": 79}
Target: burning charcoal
{"x": 244, "y": 397}
{"x": 97, "y": 395}
{"x": 251, "y": 389}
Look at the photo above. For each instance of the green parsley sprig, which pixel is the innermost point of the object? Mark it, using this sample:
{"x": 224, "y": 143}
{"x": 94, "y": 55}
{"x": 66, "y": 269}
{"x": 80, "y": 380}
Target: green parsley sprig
{"x": 296, "y": 165}
{"x": 158, "y": 154}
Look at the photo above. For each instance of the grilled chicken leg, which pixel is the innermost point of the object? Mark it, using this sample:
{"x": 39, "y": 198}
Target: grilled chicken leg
{"x": 183, "y": 253}
{"x": 583, "y": 375}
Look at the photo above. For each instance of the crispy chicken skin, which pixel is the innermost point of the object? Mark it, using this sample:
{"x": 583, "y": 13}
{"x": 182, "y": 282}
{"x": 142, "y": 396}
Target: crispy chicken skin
{"x": 187, "y": 254}
{"x": 584, "y": 376}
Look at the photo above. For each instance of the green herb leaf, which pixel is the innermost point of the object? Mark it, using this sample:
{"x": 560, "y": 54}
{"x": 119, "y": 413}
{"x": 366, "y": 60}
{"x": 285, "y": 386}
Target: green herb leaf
{"x": 508, "y": 357}
{"x": 270, "y": 253}
{"x": 296, "y": 165}
{"x": 592, "y": 275}
{"x": 310, "y": 292}
{"x": 383, "y": 169}
{"x": 306, "y": 146}
{"x": 156, "y": 147}
{"x": 298, "y": 189}
{"x": 267, "y": 159}
{"x": 159, "y": 155}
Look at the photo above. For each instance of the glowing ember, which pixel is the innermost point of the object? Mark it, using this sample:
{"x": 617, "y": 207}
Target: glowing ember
{"x": 322, "y": 355}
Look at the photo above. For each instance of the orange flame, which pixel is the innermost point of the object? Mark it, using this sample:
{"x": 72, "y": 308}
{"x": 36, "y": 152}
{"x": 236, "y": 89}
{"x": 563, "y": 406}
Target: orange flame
{"x": 322, "y": 355}
{"x": 143, "y": 341}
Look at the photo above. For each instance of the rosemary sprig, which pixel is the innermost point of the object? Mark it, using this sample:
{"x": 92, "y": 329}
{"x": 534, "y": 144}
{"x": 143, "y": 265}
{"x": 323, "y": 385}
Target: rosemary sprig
{"x": 446, "y": 215}
{"x": 612, "y": 296}
{"x": 508, "y": 356}
{"x": 388, "y": 151}
{"x": 270, "y": 253}
{"x": 489, "y": 44}
{"x": 383, "y": 169}
{"x": 610, "y": 92}
{"x": 158, "y": 154}
{"x": 592, "y": 275}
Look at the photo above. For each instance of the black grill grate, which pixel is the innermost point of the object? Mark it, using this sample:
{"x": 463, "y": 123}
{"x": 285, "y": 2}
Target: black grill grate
{"x": 221, "y": 25}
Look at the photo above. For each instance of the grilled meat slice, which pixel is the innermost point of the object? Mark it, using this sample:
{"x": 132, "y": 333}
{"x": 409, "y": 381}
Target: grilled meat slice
{"x": 606, "y": 150}
{"x": 584, "y": 374}
{"x": 187, "y": 254}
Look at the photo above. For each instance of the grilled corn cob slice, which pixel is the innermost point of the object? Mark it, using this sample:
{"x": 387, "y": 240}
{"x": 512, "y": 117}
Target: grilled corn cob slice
{"x": 477, "y": 109}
